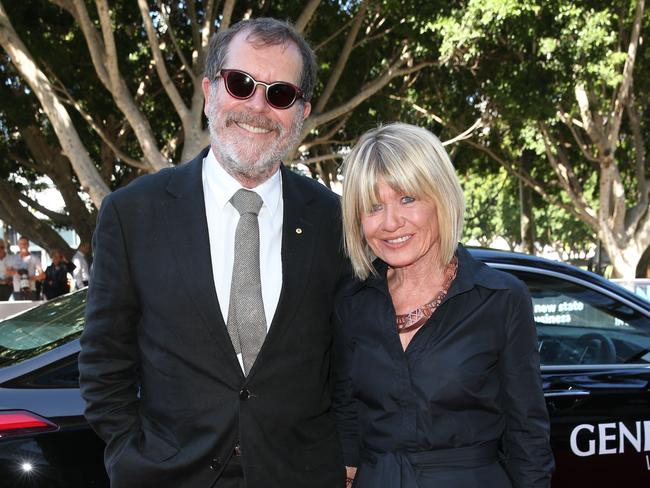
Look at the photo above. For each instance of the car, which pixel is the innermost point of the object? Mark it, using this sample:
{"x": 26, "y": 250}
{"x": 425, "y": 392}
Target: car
{"x": 594, "y": 344}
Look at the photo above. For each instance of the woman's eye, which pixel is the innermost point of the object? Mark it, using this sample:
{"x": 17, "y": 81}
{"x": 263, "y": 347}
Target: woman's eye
{"x": 406, "y": 199}
{"x": 375, "y": 208}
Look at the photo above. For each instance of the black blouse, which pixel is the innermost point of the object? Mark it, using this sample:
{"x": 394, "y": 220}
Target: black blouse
{"x": 466, "y": 393}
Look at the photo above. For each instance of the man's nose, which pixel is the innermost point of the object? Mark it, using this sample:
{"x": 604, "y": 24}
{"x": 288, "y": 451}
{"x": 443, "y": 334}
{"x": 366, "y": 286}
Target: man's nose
{"x": 257, "y": 101}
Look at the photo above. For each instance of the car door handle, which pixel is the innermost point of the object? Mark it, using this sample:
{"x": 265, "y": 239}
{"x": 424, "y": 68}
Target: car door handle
{"x": 570, "y": 392}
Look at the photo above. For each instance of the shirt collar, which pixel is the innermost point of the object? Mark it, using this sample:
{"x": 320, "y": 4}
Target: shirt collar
{"x": 470, "y": 273}
{"x": 224, "y": 185}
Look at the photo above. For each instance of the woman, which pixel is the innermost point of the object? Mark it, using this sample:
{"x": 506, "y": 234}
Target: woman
{"x": 438, "y": 380}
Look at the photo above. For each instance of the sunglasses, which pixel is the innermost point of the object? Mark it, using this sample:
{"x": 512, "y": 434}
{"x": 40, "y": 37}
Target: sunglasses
{"x": 241, "y": 85}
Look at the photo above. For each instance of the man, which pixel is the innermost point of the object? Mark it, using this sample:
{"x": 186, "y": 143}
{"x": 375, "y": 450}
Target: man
{"x": 166, "y": 369}
{"x": 28, "y": 272}
{"x": 56, "y": 281}
{"x": 81, "y": 273}
{"x": 6, "y": 280}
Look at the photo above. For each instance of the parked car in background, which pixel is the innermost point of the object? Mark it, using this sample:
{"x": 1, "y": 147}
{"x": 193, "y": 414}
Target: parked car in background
{"x": 594, "y": 342}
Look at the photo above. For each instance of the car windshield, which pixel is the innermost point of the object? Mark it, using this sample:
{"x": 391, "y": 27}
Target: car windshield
{"x": 42, "y": 328}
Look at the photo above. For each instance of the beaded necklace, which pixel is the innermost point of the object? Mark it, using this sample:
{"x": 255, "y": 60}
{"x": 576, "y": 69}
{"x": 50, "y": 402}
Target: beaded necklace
{"x": 415, "y": 319}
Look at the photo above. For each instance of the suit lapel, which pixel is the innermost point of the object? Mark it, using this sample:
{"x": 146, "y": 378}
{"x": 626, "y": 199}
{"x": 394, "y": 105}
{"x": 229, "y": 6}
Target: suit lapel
{"x": 190, "y": 241}
{"x": 299, "y": 226}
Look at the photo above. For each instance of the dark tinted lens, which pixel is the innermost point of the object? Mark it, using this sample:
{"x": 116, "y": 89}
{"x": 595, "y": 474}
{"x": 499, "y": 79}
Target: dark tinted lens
{"x": 281, "y": 95}
{"x": 240, "y": 84}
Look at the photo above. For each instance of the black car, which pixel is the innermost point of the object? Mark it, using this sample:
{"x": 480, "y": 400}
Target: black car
{"x": 594, "y": 343}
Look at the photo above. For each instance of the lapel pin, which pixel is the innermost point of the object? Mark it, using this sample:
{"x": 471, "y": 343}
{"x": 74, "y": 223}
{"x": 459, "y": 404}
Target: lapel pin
{"x": 298, "y": 230}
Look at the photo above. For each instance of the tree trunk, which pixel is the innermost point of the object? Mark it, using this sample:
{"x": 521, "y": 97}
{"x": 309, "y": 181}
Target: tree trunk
{"x": 526, "y": 220}
{"x": 56, "y": 112}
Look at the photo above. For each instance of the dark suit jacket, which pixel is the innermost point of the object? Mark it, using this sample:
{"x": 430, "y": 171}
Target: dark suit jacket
{"x": 158, "y": 371}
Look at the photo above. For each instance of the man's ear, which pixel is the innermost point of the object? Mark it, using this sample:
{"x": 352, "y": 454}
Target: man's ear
{"x": 306, "y": 110}
{"x": 205, "y": 84}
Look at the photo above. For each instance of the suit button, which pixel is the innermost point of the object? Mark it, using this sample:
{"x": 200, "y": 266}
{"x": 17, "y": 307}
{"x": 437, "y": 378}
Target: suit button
{"x": 215, "y": 463}
{"x": 244, "y": 394}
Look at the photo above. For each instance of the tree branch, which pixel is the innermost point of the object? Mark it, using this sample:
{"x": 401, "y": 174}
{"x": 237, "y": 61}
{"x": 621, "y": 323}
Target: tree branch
{"x": 343, "y": 58}
{"x": 172, "y": 35}
{"x": 306, "y": 15}
{"x": 59, "y": 220}
{"x": 527, "y": 179}
{"x": 614, "y": 124}
{"x": 161, "y": 68}
{"x": 94, "y": 43}
{"x": 327, "y": 136}
{"x": 639, "y": 151}
{"x": 469, "y": 132}
{"x": 366, "y": 92}
{"x": 565, "y": 173}
{"x": 26, "y": 223}
{"x": 194, "y": 24}
{"x": 55, "y": 111}
{"x": 584, "y": 149}
{"x": 226, "y": 14}
{"x": 100, "y": 131}
{"x": 334, "y": 35}
{"x": 587, "y": 117}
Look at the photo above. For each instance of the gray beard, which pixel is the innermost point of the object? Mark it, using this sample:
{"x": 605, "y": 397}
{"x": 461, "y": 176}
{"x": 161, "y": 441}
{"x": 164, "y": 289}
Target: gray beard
{"x": 233, "y": 157}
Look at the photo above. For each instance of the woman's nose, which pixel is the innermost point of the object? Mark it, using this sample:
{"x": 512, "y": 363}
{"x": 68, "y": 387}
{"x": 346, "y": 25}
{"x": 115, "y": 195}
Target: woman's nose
{"x": 393, "y": 219}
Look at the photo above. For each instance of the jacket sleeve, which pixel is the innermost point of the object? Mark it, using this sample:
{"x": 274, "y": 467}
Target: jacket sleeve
{"x": 527, "y": 454}
{"x": 108, "y": 361}
{"x": 344, "y": 405}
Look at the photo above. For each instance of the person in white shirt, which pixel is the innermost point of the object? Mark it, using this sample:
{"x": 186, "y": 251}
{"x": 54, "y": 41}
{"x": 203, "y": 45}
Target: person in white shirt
{"x": 81, "y": 273}
{"x": 161, "y": 353}
{"x": 28, "y": 271}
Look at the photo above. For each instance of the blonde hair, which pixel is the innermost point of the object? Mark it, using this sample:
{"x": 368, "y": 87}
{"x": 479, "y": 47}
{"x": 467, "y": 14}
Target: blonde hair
{"x": 410, "y": 160}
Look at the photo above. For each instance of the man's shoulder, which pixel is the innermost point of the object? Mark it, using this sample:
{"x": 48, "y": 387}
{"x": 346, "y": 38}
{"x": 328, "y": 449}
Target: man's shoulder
{"x": 314, "y": 188}
{"x": 144, "y": 186}
{"x": 156, "y": 185}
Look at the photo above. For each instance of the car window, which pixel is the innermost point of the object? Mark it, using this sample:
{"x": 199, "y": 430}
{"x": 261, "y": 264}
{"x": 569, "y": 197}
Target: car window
{"x": 577, "y": 324}
{"x": 42, "y": 328}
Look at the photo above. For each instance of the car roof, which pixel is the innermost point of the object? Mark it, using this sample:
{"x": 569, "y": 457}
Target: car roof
{"x": 497, "y": 257}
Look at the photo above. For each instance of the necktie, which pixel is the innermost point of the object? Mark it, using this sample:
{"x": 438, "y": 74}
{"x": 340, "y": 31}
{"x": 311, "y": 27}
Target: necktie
{"x": 246, "y": 319}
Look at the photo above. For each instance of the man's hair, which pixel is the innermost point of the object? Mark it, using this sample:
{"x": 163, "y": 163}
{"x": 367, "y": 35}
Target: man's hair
{"x": 410, "y": 160}
{"x": 263, "y": 31}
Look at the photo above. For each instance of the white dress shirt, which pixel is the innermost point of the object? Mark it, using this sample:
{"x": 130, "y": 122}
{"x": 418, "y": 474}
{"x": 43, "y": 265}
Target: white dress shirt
{"x": 222, "y": 217}
{"x": 81, "y": 272}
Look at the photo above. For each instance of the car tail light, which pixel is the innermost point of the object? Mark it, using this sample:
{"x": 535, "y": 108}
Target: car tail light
{"x": 20, "y": 422}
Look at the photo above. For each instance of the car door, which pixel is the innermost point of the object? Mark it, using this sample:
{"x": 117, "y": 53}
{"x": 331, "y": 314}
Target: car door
{"x": 595, "y": 354}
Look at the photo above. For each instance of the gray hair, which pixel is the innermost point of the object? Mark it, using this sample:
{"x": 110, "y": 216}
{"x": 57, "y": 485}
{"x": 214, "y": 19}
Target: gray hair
{"x": 264, "y": 31}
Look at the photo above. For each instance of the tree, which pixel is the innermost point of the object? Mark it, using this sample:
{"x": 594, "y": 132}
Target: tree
{"x": 557, "y": 78}
{"x": 117, "y": 86}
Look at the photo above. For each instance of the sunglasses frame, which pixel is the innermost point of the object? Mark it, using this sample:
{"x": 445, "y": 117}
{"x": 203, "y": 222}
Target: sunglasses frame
{"x": 225, "y": 73}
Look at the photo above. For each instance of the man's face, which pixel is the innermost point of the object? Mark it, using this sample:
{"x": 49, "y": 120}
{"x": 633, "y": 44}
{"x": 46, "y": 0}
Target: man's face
{"x": 249, "y": 137}
{"x": 23, "y": 245}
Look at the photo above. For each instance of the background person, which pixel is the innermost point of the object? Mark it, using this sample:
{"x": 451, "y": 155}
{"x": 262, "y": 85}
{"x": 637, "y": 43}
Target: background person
{"x": 57, "y": 281}
{"x": 6, "y": 272}
{"x": 80, "y": 260}
{"x": 438, "y": 380}
{"x": 184, "y": 385}
{"x": 27, "y": 272}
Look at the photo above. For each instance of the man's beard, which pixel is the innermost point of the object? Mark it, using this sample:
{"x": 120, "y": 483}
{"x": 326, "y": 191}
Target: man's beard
{"x": 241, "y": 159}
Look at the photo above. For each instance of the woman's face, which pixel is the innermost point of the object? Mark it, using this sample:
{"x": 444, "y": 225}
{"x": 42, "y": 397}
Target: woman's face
{"x": 402, "y": 230}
